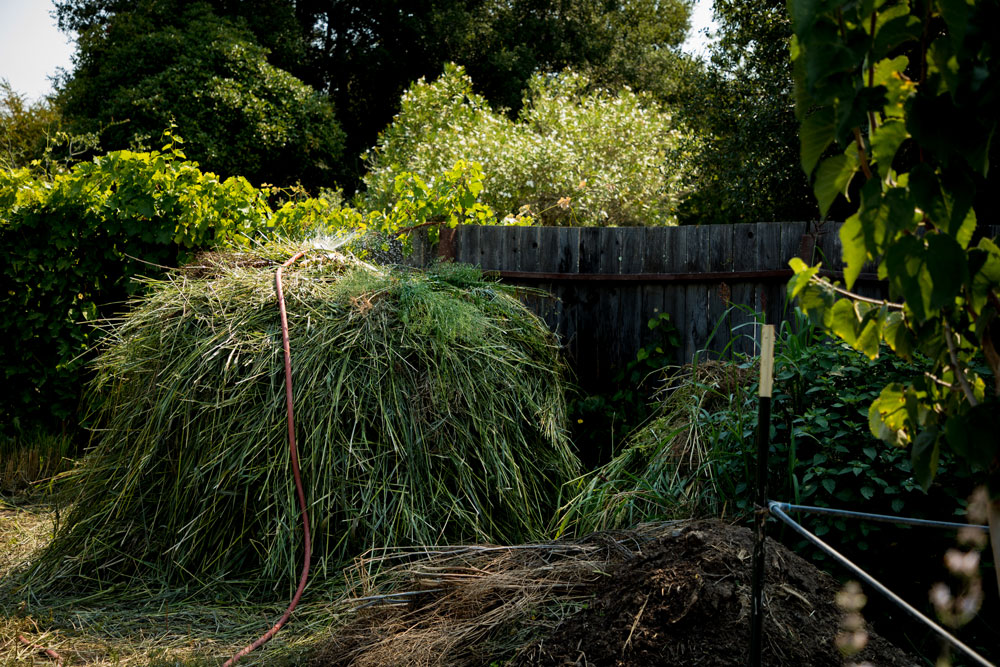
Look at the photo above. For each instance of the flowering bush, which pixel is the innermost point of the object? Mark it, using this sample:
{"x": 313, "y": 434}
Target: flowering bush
{"x": 573, "y": 156}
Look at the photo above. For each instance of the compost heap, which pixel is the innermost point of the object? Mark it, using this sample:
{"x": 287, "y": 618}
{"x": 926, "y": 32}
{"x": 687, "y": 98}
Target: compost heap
{"x": 428, "y": 408}
{"x": 660, "y": 594}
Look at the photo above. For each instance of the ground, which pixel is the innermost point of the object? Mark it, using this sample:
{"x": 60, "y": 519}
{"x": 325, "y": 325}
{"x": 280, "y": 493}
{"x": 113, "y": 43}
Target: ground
{"x": 676, "y": 595}
{"x": 663, "y": 594}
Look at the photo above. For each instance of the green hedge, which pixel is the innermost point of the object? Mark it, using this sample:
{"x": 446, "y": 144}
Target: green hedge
{"x": 70, "y": 246}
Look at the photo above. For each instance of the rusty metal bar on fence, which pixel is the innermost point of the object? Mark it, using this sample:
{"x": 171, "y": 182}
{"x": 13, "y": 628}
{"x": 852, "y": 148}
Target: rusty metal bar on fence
{"x": 701, "y": 277}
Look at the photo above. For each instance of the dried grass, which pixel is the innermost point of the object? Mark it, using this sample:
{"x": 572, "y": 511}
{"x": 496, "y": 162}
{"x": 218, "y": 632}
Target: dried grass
{"x": 440, "y": 605}
{"x": 470, "y": 605}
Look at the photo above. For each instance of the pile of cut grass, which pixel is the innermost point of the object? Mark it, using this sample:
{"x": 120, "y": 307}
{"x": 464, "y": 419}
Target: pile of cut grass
{"x": 667, "y": 469}
{"x": 429, "y": 409}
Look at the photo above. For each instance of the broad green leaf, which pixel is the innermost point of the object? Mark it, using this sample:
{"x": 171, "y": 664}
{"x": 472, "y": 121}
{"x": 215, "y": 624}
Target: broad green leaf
{"x": 987, "y": 277}
{"x": 844, "y": 321}
{"x": 896, "y": 26}
{"x": 906, "y": 263}
{"x": 803, "y": 275}
{"x": 816, "y": 134}
{"x": 959, "y": 197}
{"x": 815, "y": 300}
{"x": 926, "y": 191}
{"x": 887, "y": 416}
{"x": 925, "y": 454}
{"x": 853, "y": 247}
{"x": 870, "y": 334}
{"x": 948, "y": 269}
{"x": 886, "y": 140}
{"x": 834, "y": 176}
{"x": 145, "y": 206}
{"x": 897, "y": 335}
{"x": 956, "y": 14}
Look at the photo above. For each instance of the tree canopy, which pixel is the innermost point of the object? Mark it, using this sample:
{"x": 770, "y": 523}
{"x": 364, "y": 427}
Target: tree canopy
{"x": 150, "y": 60}
{"x": 742, "y": 104}
{"x": 153, "y": 65}
{"x": 574, "y": 154}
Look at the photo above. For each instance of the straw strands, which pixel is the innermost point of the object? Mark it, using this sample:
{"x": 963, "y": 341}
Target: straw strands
{"x": 667, "y": 468}
{"x": 429, "y": 409}
{"x": 470, "y": 605}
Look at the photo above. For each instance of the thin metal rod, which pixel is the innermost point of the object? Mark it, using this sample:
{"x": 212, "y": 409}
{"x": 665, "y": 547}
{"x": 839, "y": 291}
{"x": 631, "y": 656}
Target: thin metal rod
{"x": 776, "y": 509}
{"x": 885, "y": 518}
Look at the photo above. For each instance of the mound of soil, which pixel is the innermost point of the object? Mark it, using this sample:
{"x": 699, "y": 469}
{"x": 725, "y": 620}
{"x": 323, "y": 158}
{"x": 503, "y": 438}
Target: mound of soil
{"x": 686, "y": 601}
{"x": 670, "y": 595}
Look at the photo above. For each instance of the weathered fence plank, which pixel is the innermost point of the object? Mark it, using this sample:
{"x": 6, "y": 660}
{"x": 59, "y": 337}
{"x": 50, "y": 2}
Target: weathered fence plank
{"x": 715, "y": 282}
{"x": 654, "y": 260}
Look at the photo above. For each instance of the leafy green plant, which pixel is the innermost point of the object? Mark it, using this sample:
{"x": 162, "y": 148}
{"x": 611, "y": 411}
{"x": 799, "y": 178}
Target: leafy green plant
{"x": 70, "y": 246}
{"x": 157, "y": 64}
{"x": 696, "y": 454}
{"x": 603, "y": 155}
{"x": 909, "y": 95}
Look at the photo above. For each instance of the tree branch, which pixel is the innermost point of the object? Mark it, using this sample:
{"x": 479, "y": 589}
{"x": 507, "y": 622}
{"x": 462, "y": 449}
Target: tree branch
{"x": 862, "y": 154}
{"x": 959, "y": 372}
{"x": 857, "y": 297}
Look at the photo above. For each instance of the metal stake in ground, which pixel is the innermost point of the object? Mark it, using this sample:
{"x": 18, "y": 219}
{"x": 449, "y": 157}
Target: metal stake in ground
{"x": 760, "y": 515}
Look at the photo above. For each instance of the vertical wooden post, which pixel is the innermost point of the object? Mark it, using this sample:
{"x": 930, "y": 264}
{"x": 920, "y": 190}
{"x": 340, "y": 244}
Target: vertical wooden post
{"x": 446, "y": 244}
{"x": 760, "y": 513}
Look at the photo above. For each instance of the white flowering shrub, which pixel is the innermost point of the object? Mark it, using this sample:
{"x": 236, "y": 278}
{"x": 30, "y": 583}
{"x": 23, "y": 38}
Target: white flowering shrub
{"x": 573, "y": 156}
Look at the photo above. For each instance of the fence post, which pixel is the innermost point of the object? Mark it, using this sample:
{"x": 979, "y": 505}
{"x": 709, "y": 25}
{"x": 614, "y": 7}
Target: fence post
{"x": 760, "y": 510}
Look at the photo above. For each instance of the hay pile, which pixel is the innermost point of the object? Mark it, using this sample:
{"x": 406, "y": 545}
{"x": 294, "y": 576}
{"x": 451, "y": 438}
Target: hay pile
{"x": 470, "y": 605}
{"x": 429, "y": 409}
{"x": 666, "y": 469}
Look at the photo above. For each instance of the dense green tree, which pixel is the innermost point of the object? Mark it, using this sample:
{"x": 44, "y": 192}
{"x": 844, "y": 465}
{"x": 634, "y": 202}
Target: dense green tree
{"x": 365, "y": 53}
{"x": 145, "y": 66}
{"x": 748, "y": 167}
{"x": 24, "y": 127}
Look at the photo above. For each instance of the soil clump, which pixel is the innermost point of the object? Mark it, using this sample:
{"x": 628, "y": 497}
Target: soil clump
{"x": 677, "y": 594}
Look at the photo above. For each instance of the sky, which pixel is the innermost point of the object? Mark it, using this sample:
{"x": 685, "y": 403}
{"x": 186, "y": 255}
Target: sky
{"x": 697, "y": 41}
{"x": 32, "y": 49}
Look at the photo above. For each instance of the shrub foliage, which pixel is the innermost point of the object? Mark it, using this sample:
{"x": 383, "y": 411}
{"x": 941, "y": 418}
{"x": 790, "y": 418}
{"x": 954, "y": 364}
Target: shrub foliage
{"x": 574, "y": 155}
{"x": 70, "y": 246}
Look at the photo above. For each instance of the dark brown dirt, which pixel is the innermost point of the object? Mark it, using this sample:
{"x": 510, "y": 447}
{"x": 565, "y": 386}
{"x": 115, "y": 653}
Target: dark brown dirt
{"x": 669, "y": 595}
{"x": 686, "y": 601}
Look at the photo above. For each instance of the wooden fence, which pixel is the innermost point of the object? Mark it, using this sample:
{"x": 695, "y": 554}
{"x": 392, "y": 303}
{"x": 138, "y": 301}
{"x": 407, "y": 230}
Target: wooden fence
{"x": 602, "y": 285}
